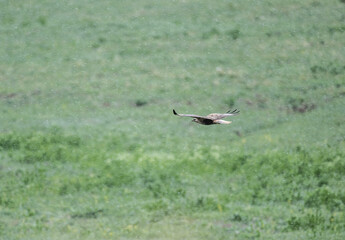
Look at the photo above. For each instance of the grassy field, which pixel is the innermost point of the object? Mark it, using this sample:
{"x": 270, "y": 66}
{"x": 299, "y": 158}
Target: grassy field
{"x": 90, "y": 149}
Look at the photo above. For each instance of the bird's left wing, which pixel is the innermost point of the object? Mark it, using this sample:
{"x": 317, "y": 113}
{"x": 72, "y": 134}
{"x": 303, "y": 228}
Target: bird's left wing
{"x": 187, "y": 115}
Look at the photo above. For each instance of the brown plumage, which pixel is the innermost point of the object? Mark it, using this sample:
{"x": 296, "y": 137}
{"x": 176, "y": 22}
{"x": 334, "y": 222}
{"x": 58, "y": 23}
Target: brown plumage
{"x": 213, "y": 118}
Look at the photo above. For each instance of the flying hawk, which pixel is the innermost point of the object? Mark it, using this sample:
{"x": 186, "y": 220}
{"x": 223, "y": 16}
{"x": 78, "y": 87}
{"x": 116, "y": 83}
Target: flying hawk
{"x": 213, "y": 118}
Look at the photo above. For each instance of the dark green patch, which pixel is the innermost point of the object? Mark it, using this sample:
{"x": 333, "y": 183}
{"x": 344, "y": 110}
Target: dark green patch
{"x": 140, "y": 102}
{"x": 234, "y": 34}
{"x": 88, "y": 214}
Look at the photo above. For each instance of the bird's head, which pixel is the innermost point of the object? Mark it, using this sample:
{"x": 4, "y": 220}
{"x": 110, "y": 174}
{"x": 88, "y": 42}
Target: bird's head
{"x": 195, "y": 120}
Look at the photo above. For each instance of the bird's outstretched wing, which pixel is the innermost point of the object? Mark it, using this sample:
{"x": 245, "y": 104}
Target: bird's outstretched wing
{"x": 217, "y": 116}
{"x": 234, "y": 112}
{"x": 189, "y": 115}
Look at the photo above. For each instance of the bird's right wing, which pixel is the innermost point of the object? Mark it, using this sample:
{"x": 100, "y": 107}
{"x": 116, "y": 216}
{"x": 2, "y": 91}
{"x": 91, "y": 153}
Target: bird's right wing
{"x": 229, "y": 113}
{"x": 188, "y": 115}
{"x": 234, "y": 112}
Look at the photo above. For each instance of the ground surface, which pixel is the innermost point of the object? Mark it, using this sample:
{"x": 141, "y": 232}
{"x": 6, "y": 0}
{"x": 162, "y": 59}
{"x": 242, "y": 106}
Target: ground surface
{"x": 90, "y": 149}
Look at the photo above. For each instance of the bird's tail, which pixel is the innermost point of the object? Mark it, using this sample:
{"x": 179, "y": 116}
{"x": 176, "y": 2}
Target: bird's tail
{"x": 222, "y": 121}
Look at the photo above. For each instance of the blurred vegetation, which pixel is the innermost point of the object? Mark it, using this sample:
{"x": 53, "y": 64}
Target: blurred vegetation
{"x": 90, "y": 149}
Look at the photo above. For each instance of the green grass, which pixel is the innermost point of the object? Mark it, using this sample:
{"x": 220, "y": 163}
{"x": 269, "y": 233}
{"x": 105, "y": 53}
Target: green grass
{"x": 90, "y": 149}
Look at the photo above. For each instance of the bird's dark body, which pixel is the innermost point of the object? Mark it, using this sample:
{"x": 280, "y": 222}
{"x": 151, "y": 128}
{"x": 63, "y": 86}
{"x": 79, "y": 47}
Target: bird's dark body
{"x": 206, "y": 121}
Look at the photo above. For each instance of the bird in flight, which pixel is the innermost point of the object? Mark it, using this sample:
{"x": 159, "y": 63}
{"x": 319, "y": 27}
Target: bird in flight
{"x": 213, "y": 118}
